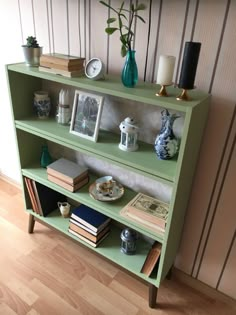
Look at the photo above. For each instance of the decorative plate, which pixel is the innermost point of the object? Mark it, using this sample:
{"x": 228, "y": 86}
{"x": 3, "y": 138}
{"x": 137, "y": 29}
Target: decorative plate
{"x": 117, "y": 193}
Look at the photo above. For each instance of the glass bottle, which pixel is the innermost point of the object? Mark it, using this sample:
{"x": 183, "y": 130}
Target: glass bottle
{"x": 46, "y": 158}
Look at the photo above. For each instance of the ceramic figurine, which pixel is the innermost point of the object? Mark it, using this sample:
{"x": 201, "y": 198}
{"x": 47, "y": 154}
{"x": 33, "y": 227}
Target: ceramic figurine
{"x": 166, "y": 144}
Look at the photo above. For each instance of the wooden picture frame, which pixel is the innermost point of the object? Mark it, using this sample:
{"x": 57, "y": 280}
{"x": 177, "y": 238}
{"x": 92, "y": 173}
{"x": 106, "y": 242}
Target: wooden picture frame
{"x": 86, "y": 115}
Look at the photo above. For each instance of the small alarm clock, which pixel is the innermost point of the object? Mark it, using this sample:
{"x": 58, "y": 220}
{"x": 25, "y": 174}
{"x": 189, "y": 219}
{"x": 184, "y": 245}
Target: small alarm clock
{"x": 94, "y": 69}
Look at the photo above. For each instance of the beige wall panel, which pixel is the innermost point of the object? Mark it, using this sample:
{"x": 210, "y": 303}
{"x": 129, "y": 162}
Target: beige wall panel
{"x": 141, "y": 40}
{"x": 171, "y": 29}
{"x": 223, "y": 225}
{"x": 225, "y": 77}
{"x": 60, "y": 37}
{"x": 209, "y": 159}
{"x": 207, "y": 31}
{"x": 152, "y": 60}
{"x": 75, "y": 43}
{"x": 215, "y": 135}
{"x": 228, "y": 280}
{"x": 98, "y": 34}
{"x": 41, "y": 25}
{"x": 116, "y": 62}
{"x": 26, "y": 18}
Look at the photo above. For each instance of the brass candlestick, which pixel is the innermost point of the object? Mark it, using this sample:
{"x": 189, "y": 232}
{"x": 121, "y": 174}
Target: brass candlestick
{"x": 183, "y": 96}
{"x": 162, "y": 91}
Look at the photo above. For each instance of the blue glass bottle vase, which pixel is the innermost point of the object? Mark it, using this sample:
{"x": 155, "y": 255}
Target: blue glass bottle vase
{"x": 129, "y": 75}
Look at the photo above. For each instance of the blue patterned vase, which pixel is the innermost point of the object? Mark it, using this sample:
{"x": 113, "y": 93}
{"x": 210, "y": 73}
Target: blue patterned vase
{"x": 42, "y": 104}
{"x": 166, "y": 144}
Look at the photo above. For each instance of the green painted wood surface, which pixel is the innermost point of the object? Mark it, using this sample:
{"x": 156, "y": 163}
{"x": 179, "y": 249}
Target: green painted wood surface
{"x": 143, "y": 92}
{"x": 111, "y": 209}
{"x": 109, "y": 247}
{"x": 32, "y": 133}
{"x": 142, "y": 161}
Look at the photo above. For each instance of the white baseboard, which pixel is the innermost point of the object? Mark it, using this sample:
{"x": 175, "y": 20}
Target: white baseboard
{"x": 10, "y": 180}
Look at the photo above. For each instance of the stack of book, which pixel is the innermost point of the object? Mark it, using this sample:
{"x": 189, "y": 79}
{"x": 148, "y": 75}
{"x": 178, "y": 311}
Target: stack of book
{"x": 89, "y": 225}
{"x": 67, "y": 174}
{"x": 65, "y": 65}
{"x": 43, "y": 199}
{"x": 148, "y": 211}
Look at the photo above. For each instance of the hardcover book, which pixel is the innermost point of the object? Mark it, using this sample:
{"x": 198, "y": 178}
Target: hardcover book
{"x": 148, "y": 209}
{"x": 70, "y": 68}
{"x": 91, "y": 237}
{"x": 89, "y": 217}
{"x": 68, "y": 171}
{"x": 87, "y": 240}
{"x": 151, "y": 259}
{"x": 61, "y": 59}
{"x": 31, "y": 194}
{"x": 67, "y": 186}
{"x": 64, "y": 73}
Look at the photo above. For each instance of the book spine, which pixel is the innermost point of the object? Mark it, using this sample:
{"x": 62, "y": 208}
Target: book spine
{"x": 54, "y": 65}
{"x": 71, "y": 188}
{"x": 37, "y": 198}
{"x": 31, "y": 195}
{"x": 66, "y": 179}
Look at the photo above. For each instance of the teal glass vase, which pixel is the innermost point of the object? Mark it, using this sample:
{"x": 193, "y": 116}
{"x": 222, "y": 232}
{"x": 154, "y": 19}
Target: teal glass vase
{"x": 46, "y": 158}
{"x": 129, "y": 75}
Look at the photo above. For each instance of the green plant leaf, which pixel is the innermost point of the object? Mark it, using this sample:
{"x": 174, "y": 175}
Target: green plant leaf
{"x": 123, "y": 39}
{"x": 110, "y": 30}
{"x": 123, "y": 51}
{"x": 111, "y": 20}
{"x": 141, "y": 6}
{"x": 108, "y": 6}
{"x": 139, "y": 17}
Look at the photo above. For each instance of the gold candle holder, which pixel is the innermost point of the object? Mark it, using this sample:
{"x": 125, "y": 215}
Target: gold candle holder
{"x": 162, "y": 91}
{"x": 183, "y": 96}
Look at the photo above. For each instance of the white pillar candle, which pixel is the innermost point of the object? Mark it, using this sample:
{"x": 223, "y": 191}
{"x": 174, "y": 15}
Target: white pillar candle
{"x": 165, "y": 70}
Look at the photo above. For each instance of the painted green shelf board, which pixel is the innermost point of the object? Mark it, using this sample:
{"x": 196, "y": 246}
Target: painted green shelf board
{"x": 143, "y": 92}
{"x": 109, "y": 247}
{"x": 111, "y": 209}
{"x": 143, "y": 160}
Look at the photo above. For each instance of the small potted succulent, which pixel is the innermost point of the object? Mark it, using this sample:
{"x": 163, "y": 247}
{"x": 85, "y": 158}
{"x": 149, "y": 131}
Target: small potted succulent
{"x": 32, "y": 51}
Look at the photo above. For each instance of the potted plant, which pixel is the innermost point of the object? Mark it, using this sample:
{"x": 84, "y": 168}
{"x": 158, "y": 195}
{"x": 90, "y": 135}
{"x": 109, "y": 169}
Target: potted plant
{"x": 32, "y": 51}
{"x": 125, "y": 18}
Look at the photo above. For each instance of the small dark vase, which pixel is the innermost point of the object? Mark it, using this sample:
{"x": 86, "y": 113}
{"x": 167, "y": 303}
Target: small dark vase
{"x": 129, "y": 75}
{"x": 45, "y": 158}
{"x": 166, "y": 144}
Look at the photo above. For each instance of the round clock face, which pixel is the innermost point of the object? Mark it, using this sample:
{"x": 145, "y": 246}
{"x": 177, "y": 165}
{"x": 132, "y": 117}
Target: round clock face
{"x": 94, "y": 69}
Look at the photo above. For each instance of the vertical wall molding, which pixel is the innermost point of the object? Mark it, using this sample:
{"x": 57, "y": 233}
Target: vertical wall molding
{"x": 157, "y": 38}
{"x": 21, "y": 28}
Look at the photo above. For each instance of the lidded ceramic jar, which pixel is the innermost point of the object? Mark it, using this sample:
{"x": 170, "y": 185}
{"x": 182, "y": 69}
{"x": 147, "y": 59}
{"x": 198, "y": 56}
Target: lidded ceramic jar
{"x": 42, "y": 104}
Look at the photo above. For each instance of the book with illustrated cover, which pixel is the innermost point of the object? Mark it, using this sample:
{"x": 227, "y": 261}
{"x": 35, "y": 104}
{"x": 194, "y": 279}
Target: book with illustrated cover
{"x": 151, "y": 259}
{"x": 147, "y": 209}
{"x": 89, "y": 217}
{"x": 67, "y": 171}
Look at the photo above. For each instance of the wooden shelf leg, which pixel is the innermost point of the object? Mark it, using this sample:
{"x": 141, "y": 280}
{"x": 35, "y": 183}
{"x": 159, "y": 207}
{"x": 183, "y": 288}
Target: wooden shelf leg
{"x": 152, "y": 295}
{"x": 31, "y": 224}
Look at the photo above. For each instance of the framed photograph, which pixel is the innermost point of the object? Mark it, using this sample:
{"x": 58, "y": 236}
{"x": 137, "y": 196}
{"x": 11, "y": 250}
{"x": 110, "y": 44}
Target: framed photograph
{"x": 86, "y": 115}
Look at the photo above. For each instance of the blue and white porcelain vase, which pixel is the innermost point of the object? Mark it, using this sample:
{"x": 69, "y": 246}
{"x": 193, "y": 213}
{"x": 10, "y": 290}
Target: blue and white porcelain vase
{"x": 166, "y": 144}
{"x": 42, "y": 104}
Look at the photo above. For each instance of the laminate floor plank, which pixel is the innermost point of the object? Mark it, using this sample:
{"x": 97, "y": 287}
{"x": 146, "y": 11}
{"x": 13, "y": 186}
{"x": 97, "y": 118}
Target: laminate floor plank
{"x": 45, "y": 273}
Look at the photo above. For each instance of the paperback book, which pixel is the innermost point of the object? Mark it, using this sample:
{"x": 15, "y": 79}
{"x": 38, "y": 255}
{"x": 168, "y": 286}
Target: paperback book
{"x": 87, "y": 240}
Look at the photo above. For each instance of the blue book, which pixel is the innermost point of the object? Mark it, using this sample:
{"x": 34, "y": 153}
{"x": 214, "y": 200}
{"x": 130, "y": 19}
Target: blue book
{"x": 89, "y": 217}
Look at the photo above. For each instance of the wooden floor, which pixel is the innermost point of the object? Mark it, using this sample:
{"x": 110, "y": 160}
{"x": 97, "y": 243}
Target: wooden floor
{"x": 45, "y": 273}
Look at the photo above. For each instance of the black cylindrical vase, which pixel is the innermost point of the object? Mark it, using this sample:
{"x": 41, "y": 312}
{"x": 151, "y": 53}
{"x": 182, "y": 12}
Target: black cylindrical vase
{"x": 189, "y": 65}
